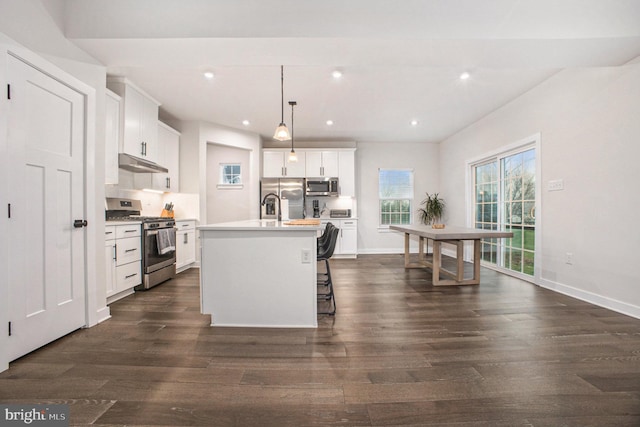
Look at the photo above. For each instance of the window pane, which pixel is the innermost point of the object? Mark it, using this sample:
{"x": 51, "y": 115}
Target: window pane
{"x": 395, "y": 184}
{"x": 529, "y": 238}
{"x": 395, "y": 191}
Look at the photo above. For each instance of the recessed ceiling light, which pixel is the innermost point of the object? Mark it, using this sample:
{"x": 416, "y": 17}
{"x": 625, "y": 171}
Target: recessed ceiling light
{"x": 336, "y": 74}
{"x": 208, "y": 75}
{"x": 414, "y": 123}
{"x": 246, "y": 122}
{"x": 329, "y": 122}
{"x": 464, "y": 76}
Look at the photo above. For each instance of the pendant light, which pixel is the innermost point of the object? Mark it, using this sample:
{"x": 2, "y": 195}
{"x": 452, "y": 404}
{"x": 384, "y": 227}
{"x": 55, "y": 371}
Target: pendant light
{"x": 292, "y": 155}
{"x": 282, "y": 133}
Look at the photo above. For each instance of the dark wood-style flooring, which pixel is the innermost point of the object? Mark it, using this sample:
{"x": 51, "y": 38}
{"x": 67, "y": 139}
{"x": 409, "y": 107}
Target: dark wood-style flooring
{"x": 399, "y": 352}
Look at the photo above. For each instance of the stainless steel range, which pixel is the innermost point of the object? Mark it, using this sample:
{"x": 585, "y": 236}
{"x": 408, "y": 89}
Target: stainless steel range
{"x": 158, "y": 240}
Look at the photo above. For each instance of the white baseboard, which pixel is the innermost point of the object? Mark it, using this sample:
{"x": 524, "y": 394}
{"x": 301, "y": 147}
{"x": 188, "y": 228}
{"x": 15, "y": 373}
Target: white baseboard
{"x": 104, "y": 314}
{"x": 590, "y": 297}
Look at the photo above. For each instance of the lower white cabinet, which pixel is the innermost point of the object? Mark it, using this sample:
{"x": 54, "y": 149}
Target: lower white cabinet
{"x": 347, "y": 244}
{"x": 110, "y": 259}
{"x": 123, "y": 260}
{"x": 185, "y": 244}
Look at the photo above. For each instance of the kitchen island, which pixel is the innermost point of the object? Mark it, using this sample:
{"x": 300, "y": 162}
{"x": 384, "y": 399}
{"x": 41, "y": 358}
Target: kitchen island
{"x": 259, "y": 273}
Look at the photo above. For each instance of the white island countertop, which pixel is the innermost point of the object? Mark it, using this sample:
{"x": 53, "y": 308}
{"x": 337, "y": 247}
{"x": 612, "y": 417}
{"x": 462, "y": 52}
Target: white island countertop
{"x": 259, "y": 225}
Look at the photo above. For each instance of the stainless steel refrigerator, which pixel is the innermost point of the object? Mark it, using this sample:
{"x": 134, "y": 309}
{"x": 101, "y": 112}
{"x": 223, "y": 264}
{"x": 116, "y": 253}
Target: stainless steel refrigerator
{"x": 291, "y": 189}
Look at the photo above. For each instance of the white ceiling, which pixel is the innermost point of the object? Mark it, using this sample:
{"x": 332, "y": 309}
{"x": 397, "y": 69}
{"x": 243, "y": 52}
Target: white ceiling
{"x": 401, "y": 59}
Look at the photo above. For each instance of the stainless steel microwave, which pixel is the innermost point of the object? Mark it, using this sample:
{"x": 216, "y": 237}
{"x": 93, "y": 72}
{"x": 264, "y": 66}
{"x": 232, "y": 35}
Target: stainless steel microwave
{"x": 322, "y": 187}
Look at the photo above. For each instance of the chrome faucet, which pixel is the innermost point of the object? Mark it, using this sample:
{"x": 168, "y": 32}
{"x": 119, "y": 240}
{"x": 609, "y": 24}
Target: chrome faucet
{"x": 264, "y": 201}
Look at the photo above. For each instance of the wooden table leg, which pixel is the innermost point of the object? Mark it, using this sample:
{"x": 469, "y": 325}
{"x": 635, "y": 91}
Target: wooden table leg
{"x": 460, "y": 260}
{"x": 406, "y": 251}
{"x": 476, "y": 261}
{"x": 437, "y": 245}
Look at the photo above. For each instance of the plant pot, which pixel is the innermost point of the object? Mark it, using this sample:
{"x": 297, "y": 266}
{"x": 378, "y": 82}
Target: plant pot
{"x": 438, "y": 226}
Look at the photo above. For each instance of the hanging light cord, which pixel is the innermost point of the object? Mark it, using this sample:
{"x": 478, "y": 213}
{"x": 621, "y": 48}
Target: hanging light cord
{"x": 292, "y": 104}
{"x": 282, "y": 94}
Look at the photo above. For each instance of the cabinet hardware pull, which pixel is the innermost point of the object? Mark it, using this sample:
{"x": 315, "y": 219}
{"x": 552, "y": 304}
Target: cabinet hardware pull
{"x": 130, "y": 231}
{"x": 130, "y": 276}
{"x": 79, "y": 223}
{"x": 115, "y": 252}
{"x": 131, "y": 250}
{"x": 186, "y": 238}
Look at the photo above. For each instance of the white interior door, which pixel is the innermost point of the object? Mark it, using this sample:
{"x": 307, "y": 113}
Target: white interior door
{"x": 46, "y": 136}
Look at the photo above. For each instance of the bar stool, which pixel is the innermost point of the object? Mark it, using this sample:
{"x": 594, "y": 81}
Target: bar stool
{"x": 322, "y": 240}
{"x": 325, "y": 252}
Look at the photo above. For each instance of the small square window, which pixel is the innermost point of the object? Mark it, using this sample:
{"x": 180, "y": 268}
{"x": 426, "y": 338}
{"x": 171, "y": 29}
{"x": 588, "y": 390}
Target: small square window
{"x": 230, "y": 175}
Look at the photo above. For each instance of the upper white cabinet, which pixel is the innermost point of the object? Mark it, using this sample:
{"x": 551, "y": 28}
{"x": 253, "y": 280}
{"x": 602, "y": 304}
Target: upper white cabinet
{"x": 113, "y": 106}
{"x": 313, "y": 163}
{"x": 169, "y": 157}
{"x": 347, "y": 173}
{"x": 275, "y": 164}
{"x": 140, "y": 118}
{"x": 322, "y": 163}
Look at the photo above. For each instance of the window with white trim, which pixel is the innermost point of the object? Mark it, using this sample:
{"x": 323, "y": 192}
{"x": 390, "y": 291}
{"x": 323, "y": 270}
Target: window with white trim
{"x": 395, "y": 194}
{"x": 230, "y": 175}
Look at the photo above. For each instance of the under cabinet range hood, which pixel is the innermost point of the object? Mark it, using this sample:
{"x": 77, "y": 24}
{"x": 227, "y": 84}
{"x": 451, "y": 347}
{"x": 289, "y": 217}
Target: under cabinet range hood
{"x": 138, "y": 165}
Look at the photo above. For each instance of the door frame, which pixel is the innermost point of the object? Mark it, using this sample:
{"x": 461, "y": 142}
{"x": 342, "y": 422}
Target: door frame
{"x": 8, "y": 47}
{"x": 533, "y": 141}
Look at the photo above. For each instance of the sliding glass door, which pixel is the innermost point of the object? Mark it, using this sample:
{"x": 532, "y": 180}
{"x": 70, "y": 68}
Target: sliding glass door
{"x": 505, "y": 199}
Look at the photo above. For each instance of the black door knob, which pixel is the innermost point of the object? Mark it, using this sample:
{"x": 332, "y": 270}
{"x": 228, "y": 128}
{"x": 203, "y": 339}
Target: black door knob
{"x": 79, "y": 223}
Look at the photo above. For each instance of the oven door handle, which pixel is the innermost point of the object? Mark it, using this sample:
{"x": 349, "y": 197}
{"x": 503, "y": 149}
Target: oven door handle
{"x": 155, "y": 232}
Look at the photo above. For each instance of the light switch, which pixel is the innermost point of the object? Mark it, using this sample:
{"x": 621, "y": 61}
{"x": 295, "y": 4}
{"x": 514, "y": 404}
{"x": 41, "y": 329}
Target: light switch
{"x": 306, "y": 256}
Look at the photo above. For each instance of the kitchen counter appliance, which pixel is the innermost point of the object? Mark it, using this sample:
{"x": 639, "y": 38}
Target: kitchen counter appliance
{"x": 340, "y": 213}
{"x": 158, "y": 240}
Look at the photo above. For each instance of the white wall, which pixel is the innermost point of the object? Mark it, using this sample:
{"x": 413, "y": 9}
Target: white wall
{"x": 588, "y": 120}
{"x": 228, "y": 204}
{"x": 194, "y": 140}
{"x": 370, "y": 156}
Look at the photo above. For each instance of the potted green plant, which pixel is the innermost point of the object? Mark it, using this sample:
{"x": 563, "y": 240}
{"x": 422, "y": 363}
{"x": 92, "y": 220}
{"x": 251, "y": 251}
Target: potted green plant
{"x": 433, "y": 210}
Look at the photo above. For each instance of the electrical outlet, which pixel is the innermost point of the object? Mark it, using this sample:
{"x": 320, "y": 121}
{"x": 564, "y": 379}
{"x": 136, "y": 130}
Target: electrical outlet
{"x": 306, "y": 256}
{"x": 568, "y": 258}
{"x": 555, "y": 185}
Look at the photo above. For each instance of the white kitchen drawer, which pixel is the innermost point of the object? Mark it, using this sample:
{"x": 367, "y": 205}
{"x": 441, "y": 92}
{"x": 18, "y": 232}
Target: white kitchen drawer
{"x": 124, "y": 231}
{"x": 128, "y": 276}
{"x": 109, "y": 232}
{"x": 128, "y": 250}
{"x": 189, "y": 224}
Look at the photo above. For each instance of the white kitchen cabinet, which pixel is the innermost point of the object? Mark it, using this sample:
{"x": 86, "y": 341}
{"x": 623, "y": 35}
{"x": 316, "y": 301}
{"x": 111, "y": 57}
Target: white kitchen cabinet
{"x": 113, "y": 133}
{"x": 123, "y": 260}
{"x": 346, "y": 173}
{"x": 169, "y": 157}
{"x": 185, "y": 244}
{"x": 275, "y": 164}
{"x": 347, "y": 244}
{"x": 322, "y": 163}
{"x": 110, "y": 259}
{"x": 140, "y": 119}
{"x": 349, "y": 237}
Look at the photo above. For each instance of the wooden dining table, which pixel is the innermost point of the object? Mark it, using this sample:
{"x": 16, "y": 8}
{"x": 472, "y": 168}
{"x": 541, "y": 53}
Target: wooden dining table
{"x": 455, "y": 236}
